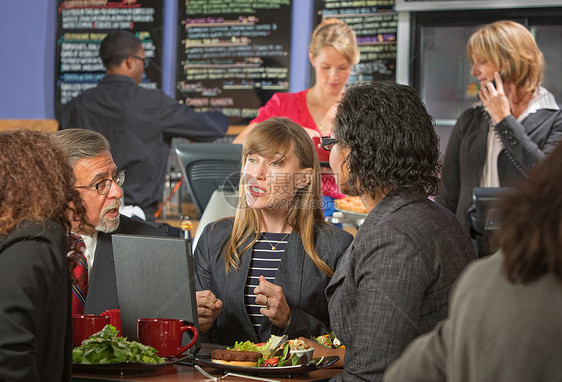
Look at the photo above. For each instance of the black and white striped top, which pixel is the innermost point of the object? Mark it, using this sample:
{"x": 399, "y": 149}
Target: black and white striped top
{"x": 265, "y": 262}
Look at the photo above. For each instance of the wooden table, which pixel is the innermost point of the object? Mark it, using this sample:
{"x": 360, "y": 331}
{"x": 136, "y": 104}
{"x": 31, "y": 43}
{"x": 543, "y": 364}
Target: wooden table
{"x": 176, "y": 372}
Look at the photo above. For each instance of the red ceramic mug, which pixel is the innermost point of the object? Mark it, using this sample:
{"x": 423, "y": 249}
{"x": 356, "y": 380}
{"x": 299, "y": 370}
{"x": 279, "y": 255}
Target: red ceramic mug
{"x": 165, "y": 335}
{"x": 84, "y": 325}
{"x": 114, "y": 319}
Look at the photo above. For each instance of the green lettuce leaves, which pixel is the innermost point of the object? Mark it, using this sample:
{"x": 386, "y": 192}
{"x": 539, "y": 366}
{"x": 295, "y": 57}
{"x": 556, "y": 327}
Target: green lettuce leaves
{"x": 105, "y": 347}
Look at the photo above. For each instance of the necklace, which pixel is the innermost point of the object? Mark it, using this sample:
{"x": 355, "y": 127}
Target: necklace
{"x": 274, "y": 247}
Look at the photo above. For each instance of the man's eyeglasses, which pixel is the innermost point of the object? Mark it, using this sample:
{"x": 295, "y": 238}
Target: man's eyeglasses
{"x": 103, "y": 186}
{"x": 328, "y": 143}
{"x": 144, "y": 60}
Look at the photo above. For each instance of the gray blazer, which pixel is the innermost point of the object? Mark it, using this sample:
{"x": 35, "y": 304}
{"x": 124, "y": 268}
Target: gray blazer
{"x": 302, "y": 282}
{"x": 496, "y": 332}
{"x": 524, "y": 145}
{"x": 393, "y": 282}
{"x": 102, "y": 286}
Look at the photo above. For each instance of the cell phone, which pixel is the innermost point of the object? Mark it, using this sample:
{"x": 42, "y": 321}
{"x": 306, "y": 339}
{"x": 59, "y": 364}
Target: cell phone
{"x": 494, "y": 81}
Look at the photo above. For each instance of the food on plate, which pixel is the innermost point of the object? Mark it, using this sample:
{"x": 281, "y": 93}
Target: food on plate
{"x": 298, "y": 345}
{"x": 105, "y": 347}
{"x": 352, "y": 204}
{"x": 236, "y": 357}
{"x": 275, "y": 352}
{"x": 263, "y": 347}
{"x": 329, "y": 340}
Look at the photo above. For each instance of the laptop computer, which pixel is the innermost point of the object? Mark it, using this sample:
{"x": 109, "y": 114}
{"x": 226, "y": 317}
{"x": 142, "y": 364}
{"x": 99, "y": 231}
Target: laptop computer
{"x": 155, "y": 279}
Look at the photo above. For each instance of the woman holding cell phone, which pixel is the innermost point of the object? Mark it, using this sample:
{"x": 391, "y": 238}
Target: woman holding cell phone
{"x": 515, "y": 123}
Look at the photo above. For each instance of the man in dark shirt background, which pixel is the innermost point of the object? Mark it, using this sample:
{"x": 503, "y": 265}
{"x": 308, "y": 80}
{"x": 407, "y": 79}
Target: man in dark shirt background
{"x": 139, "y": 123}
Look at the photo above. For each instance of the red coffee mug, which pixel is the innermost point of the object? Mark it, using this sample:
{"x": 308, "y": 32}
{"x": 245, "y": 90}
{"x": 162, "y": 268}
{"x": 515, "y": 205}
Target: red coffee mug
{"x": 165, "y": 335}
{"x": 114, "y": 319}
{"x": 84, "y": 325}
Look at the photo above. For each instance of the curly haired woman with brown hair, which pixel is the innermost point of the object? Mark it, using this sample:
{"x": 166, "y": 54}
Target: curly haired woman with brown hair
{"x": 37, "y": 201}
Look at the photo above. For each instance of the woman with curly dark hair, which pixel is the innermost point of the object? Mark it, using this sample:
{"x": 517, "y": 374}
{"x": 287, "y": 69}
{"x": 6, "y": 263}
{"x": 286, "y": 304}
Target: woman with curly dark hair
{"x": 504, "y": 320}
{"x": 393, "y": 282}
{"x": 37, "y": 200}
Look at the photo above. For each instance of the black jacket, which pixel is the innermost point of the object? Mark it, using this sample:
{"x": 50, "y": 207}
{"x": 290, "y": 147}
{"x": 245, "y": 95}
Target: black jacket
{"x": 35, "y": 305}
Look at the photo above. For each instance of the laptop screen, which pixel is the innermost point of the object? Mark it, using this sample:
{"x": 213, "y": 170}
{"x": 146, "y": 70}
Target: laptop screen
{"x": 155, "y": 279}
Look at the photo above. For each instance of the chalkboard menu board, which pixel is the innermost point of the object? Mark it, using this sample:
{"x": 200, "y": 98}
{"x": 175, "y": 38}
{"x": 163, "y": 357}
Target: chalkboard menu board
{"x": 233, "y": 55}
{"x": 375, "y": 24}
{"x": 83, "y": 24}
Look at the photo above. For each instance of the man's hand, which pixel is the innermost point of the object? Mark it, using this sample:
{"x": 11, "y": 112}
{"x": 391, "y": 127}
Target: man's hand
{"x": 208, "y": 309}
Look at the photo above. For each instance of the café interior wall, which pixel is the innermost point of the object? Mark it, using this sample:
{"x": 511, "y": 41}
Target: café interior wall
{"x": 27, "y": 50}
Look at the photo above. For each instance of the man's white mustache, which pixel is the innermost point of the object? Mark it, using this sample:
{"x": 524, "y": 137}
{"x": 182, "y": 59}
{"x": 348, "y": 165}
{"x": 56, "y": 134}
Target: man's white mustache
{"x": 112, "y": 206}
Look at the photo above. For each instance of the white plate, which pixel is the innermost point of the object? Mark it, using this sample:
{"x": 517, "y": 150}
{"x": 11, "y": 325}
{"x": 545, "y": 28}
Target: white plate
{"x": 288, "y": 371}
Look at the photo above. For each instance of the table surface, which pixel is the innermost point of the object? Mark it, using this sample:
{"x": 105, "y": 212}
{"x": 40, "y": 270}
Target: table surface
{"x": 177, "y": 372}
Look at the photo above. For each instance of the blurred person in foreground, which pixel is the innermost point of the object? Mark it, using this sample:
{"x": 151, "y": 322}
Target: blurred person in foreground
{"x": 139, "y": 123}
{"x": 264, "y": 271}
{"x": 99, "y": 181}
{"x": 505, "y": 311}
{"x": 37, "y": 201}
{"x": 512, "y": 127}
{"x": 393, "y": 282}
{"x": 333, "y": 52}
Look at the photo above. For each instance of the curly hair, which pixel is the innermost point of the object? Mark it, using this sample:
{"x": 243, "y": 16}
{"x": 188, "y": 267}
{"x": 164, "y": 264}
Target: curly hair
{"x": 530, "y": 235}
{"x": 391, "y": 137}
{"x": 36, "y": 182}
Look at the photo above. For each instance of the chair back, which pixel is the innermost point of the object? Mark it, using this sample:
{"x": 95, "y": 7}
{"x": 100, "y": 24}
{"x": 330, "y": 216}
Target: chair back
{"x": 207, "y": 167}
{"x": 483, "y": 217}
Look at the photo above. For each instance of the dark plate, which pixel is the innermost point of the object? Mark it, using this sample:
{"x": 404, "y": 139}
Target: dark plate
{"x": 286, "y": 371}
{"x": 124, "y": 367}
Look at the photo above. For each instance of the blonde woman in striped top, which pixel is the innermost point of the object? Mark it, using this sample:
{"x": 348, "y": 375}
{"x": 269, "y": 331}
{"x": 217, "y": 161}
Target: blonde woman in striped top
{"x": 264, "y": 271}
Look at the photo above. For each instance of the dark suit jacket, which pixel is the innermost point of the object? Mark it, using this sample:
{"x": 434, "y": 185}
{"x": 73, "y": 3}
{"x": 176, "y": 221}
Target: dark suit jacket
{"x": 393, "y": 282}
{"x": 102, "y": 287}
{"x": 524, "y": 145}
{"x": 35, "y": 305}
{"x": 302, "y": 282}
{"x": 496, "y": 331}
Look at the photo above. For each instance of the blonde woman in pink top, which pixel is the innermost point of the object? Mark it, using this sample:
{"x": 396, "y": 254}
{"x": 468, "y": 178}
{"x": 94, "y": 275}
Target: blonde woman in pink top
{"x": 332, "y": 51}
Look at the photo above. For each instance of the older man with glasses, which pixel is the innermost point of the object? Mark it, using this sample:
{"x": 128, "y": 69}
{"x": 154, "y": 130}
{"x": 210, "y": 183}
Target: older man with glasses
{"x": 99, "y": 183}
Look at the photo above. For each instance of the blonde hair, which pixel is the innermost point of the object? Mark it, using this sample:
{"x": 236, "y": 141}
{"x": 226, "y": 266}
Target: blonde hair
{"x": 337, "y": 34}
{"x": 266, "y": 138}
{"x": 512, "y": 48}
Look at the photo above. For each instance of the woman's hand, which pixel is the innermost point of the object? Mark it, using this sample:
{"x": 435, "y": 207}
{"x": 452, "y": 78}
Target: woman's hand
{"x": 495, "y": 100}
{"x": 275, "y": 305}
{"x": 208, "y": 309}
{"x": 323, "y": 351}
